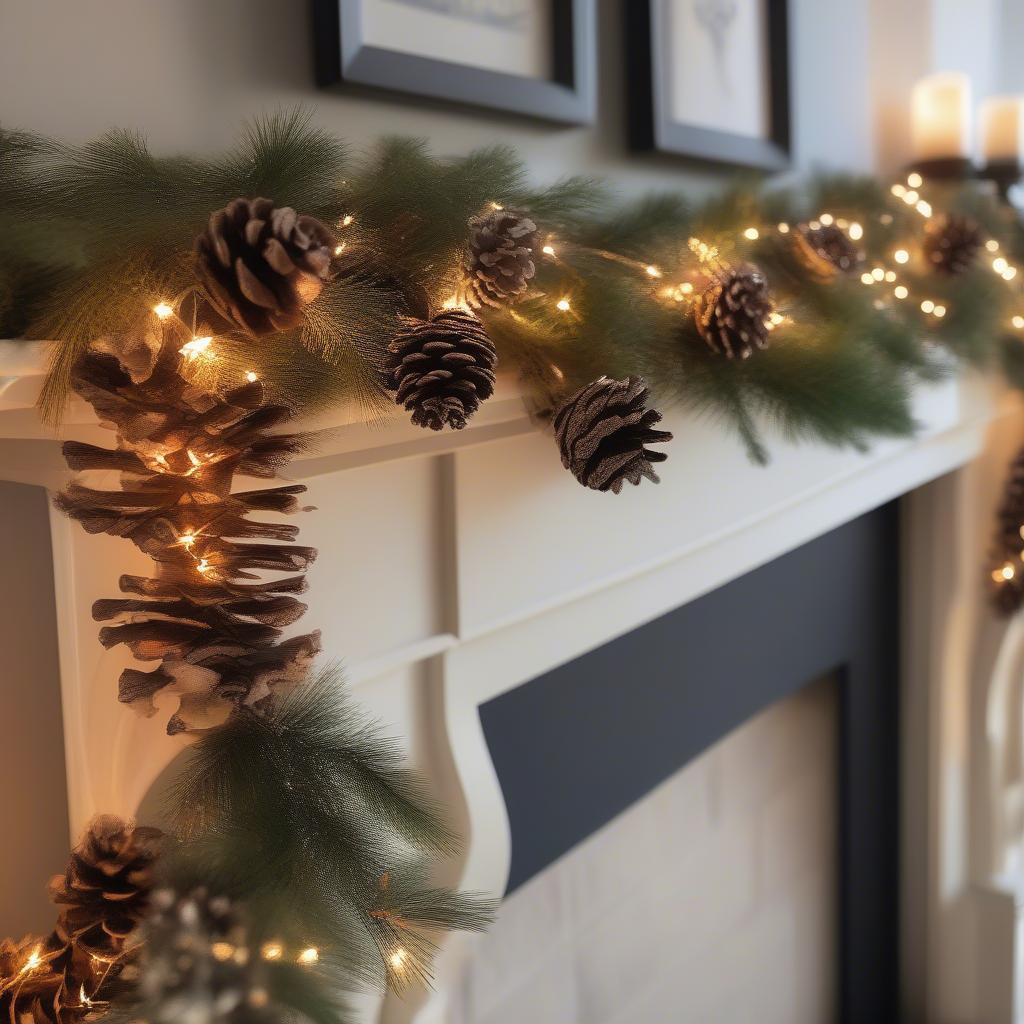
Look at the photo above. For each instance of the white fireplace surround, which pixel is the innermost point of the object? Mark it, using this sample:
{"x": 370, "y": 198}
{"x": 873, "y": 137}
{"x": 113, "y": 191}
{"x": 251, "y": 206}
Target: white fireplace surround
{"x": 456, "y": 566}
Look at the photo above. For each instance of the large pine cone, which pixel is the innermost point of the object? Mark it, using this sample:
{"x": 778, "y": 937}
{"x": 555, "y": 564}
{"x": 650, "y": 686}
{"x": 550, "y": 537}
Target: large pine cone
{"x": 828, "y": 250}
{"x": 261, "y": 264}
{"x": 442, "y": 369}
{"x": 601, "y": 432}
{"x": 500, "y": 261}
{"x": 732, "y": 314}
{"x": 952, "y": 243}
{"x": 104, "y": 893}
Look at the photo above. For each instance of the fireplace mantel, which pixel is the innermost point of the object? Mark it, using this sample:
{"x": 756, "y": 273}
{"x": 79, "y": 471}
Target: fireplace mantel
{"x": 456, "y": 566}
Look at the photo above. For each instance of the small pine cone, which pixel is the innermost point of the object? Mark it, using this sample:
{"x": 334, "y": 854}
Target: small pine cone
{"x": 601, "y": 432}
{"x": 261, "y": 264}
{"x": 104, "y": 893}
{"x": 952, "y": 243}
{"x": 732, "y": 314}
{"x": 828, "y": 250}
{"x": 442, "y": 369}
{"x": 500, "y": 263}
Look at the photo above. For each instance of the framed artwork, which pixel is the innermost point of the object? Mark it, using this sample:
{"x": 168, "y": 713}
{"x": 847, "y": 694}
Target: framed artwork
{"x": 530, "y": 57}
{"x": 710, "y": 79}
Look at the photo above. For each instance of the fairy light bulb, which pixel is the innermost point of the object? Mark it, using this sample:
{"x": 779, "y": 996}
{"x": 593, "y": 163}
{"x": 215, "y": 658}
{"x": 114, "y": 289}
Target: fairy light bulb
{"x": 1005, "y": 574}
{"x": 1018, "y": 322}
{"x": 187, "y": 540}
{"x": 914, "y": 180}
{"x": 163, "y": 310}
{"x": 251, "y": 377}
{"x": 339, "y": 248}
{"x": 878, "y": 274}
{"x": 309, "y": 956}
{"x": 34, "y": 960}
{"x": 563, "y": 305}
{"x": 195, "y": 348}
{"x": 856, "y": 231}
{"x": 222, "y": 951}
{"x": 939, "y": 311}
{"x": 783, "y": 228}
{"x": 652, "y": 271}
{"x": 548, "y": 250}
{"x": 999, "y": 264}
{"x": 867, "y": 278}
{"x": 901, "y": 291}
{"x": 397, "y": 959}
{"x": 992, "y": 245}
{"x": 271, "y": 951}
{"x": 204, "y": 567}
{"x": 752, "y": 233}
{"x": 83, "y": 999}
{"x": 927, "y": 306}
{"x": 901, "y": 256}
{"x": 347, "y": 220}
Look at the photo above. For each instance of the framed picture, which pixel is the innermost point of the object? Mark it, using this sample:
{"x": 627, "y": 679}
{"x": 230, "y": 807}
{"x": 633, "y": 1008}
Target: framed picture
{"x": 710, "y": 79}
{"x": 531, "y": 57}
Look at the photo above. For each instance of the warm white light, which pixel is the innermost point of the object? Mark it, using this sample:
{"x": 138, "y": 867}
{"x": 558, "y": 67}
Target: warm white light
{"x": 878, "y": 274}
{"x": 752, "y": 234}
{"x": 898, "y": 190}
{"x": 652, "y": 271}
{"x": 914, "y": 180}
{"x": 939, "y": 311}
{"x": 195, "y": 348}
{"x": 163, "y": 310}
{"x": 497, "y": 206}
{"x": 564, "y": 305}
{"x": 1005, "y": 574}
{"x": 866, "y": 278}
{"x": 339, "y": 248}
{"x": 901, "y": 291}
{"x": 885, "y": 218}
{"x": 1009, "y": 273}
{"x": 856, "y": 231}
{"x": 83, "y": 999}
{"x": 204, "y": 566}
{"x": 186, "y": 540}
{"x": 999, "y": 264}
{"x": 309, "y": 956}
{"x": 924, "y": 208}
{"x": 827, "y": 219}
{"x": 397, "y": 959}
{"x": 548, "y": 250}
{"x": 815, "y": 225}
{"x": 890, "y": 276}
{"x": 251, "y": 377}
{"x": 1018, "y": 322}
{"x": 271, "y": 951}
{"x": 783, "y": 228}
{"x": 222, "y": 951}
{"x": 33, "y": 961}
{"x": 901, "y": 256}
{"x": 992, "y": 245}
{"x": 927, "y": 306}
{"x": 347, "y": 220}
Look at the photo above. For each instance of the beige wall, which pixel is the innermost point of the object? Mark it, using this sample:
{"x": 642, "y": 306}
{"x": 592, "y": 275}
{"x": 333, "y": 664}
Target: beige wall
{"x": 34, "y": 819}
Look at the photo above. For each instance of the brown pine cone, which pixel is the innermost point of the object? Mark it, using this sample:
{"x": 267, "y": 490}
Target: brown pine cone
{"x": 500, "y": 263}
{"x": 104, "y": 893}
{"x": 442, "y": 369}
{"x": 601, "y": 432}
{"x": 261, "y": 264}
{"x": 952, "y": 243}
{"x": 827, "y": 249}
{"x": 732, "y": 314}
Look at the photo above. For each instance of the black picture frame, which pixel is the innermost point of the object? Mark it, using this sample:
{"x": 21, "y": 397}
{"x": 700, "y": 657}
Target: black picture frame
{"x": 651, "y": 127}
{"x": 344, "y": 58}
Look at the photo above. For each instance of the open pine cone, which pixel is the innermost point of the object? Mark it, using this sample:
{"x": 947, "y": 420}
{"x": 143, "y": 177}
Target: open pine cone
{"x": 500, "y": 263}
{"x": 732, "y": 314}
{"x": 601, "y": 432}
{"x": 442, "y": 369}
{"x": 827, "y": 249}
{"x": 104, "y": 893}
{"x": 260, "y": 264}
{"x": 952, "y": 243}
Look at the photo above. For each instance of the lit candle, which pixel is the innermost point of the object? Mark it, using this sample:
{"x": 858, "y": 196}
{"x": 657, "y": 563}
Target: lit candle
{"x": 941, "y": 117}
{"x": 1002, "y": 129}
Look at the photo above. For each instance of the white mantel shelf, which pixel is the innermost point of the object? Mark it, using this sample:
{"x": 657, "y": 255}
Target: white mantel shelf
{"x": 456, "y": 566}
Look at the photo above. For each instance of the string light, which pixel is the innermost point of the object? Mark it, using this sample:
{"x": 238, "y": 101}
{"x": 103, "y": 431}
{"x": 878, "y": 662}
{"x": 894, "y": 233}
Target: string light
{"x": 901, "y": 256}
{"x": 901, "y": 291}
{"x": 339, "y": 248}
{"x": 911, "y": 197}
{"x": 914, "y": 180}
{"x": 548, "y": 250}
{"x": 890, "y": 276}
{"x": 163, "y": 310}
{"x": 827, "y": 219}
{"x": 204, "y": 567}
{"x": 195, "y": 348}
{"x": 783, "y": 228}
{"x": 885, "y": 218}
{"x": 752, "y": 234}
{"x": 867, "y": 278}
{"x": 347, "y": 220}
{"x": 898, "y": 190}
{"x": 927, "y": 306}
{"x": 878, "y": 273}
{"x": 1018, "y": 322}
{"x": 309, "y": 956}
{"x": 1005, "y": 574}
{"x": 497, "y": 206}
{"x": 251, "y": 377}
{"x": 564, "y": 305}
{"x": 939, "y": 311}
{"x": 222, "y": 951}
{"x": 271, "y": 951}
{"x": 652, "y": 271}
{"x": 992, "y": 245}
{"x": 856, "y": 231}
{"x": 397, "y": 959}
{"x": 1009, "y": 273}
{"x": 924, "y": 208}
{"x": 33, "y": 961}
{"x": 999, "y": 265}
{"x": 83, "y": 999}
{"x": 187, "y": 540}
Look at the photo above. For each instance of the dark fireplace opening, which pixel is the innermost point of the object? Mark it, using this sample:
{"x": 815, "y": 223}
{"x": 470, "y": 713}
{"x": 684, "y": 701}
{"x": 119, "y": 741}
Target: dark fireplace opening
{"x": 579, "y": 745}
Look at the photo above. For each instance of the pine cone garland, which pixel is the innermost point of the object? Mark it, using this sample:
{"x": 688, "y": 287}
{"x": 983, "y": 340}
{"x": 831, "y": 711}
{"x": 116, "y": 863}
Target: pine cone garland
{"x": 828, "y": 250}
{"x": 104, "y": 893}
{"x": 1008, "y": 544}
{"x": 952, "y": 243}
{"x": 500, "y": 263}
{"x": 732, "y": 314}
{"x": 261, "y": 264}
{"x": 442, "y": 369}
{"x": 602, "y": 430}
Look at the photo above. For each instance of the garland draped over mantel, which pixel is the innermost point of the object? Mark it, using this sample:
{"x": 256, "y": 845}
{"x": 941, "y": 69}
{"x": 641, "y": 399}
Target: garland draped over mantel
{"x": 201, "y": 305}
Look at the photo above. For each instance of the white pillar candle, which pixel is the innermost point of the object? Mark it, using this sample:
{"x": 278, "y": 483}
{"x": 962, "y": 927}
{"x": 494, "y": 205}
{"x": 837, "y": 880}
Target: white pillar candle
{"x": 941, "y": 116}
{"x": 1002, "y": 129}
